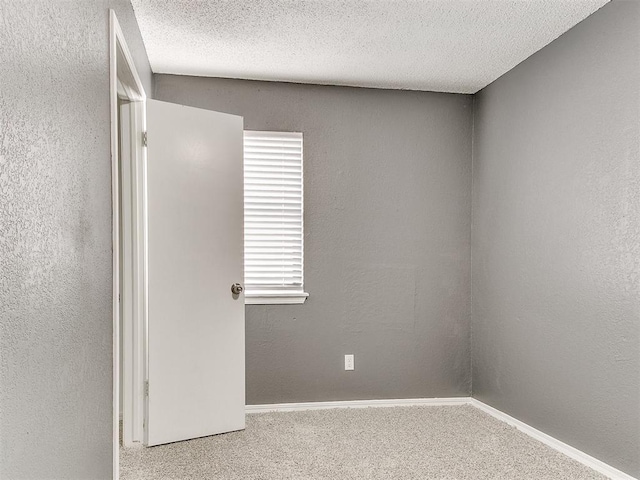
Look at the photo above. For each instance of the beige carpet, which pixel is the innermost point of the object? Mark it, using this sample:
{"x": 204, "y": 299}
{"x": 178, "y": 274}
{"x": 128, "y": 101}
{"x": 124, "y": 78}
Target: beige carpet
{"x": 456, "y": 442}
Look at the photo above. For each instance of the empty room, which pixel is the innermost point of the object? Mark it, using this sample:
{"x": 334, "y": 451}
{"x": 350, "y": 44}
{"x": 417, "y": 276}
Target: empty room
{"x": 319, "y": 239}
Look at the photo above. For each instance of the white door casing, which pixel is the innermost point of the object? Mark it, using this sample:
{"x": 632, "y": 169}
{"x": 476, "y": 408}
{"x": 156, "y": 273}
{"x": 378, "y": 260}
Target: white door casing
{"x": 196, "y": 360}
{"x": 132, "y": 270}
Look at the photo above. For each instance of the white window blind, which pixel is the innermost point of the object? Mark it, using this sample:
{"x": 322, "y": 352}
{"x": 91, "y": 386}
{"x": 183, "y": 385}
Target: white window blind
{"x": 273, "y": 217}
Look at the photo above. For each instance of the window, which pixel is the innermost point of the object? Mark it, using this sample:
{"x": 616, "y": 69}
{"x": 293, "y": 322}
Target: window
{"x": 273, "y": 221}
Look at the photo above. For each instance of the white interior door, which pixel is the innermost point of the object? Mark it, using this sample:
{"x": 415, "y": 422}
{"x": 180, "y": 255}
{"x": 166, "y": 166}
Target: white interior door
{"x": 195, "y": 253}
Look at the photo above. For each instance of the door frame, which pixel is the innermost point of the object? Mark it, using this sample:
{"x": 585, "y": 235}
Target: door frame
{"x": 125, "y": 83}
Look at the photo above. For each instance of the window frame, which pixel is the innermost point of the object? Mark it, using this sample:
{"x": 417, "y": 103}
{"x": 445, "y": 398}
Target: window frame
{"x": 275, "y": 295}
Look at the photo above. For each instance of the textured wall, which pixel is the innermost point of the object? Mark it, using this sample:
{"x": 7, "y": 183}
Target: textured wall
{"x": 55, "y": 237}
{"x": 556, "y": 242}
{"x": 387, "y": 240}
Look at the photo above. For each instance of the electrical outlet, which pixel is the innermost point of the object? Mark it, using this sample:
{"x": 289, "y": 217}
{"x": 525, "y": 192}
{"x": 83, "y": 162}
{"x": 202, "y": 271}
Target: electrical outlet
{"x": 348, "y": 362}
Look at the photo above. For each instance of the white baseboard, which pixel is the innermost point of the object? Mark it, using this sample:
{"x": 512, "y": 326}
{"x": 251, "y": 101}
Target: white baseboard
{"x": 561, "y": 447}
{"x": 554, "y": 443}
{"x": 405, "y": 402}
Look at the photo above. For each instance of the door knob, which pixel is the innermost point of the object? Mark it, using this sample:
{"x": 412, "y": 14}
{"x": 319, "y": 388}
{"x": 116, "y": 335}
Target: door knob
{"x": 236, "y": 289}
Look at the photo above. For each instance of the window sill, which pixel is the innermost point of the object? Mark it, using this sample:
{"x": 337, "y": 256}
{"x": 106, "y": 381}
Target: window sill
{"x": 274, "y": 298}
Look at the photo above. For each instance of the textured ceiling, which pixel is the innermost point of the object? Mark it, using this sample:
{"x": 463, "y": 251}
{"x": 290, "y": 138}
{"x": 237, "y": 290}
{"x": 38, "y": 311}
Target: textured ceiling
{"x": 446, "y": 45}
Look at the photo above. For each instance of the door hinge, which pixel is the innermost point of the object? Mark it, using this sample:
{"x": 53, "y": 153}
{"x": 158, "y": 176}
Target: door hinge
{"x": 146, "y": 388}
{"x": 144, "y": 139}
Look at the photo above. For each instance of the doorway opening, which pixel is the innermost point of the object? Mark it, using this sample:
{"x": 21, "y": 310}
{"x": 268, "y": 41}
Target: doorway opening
{"x": 128, "y": 162}
{"x": 178, "y": 233}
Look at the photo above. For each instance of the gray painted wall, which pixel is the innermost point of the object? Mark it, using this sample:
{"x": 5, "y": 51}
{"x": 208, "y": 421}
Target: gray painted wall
{"x": 387, "y": 240}
{"x": 556, "y": 239}
{"x": 55, "y": 236}
{"x": 388, "y": 175}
